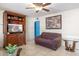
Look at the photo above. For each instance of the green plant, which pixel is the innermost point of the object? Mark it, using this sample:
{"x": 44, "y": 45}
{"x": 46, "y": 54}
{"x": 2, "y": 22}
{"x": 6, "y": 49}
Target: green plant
{"x": 11, "y": 48}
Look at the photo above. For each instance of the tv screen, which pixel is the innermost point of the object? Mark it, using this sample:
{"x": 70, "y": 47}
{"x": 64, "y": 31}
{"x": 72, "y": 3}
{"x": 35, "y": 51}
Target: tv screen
{"x": 15, "y": 28}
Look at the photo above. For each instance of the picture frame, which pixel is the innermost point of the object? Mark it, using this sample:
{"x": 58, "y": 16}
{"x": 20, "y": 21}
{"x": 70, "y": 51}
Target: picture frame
{"x": 54, "y": 22}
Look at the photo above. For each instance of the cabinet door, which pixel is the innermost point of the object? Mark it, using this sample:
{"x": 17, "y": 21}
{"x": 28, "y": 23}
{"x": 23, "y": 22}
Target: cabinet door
{"x": 20, "y": 39}
{"x": 11, "y": 39}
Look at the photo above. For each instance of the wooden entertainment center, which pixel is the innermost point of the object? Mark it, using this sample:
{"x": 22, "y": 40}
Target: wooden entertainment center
{"x": 14, "y": 25}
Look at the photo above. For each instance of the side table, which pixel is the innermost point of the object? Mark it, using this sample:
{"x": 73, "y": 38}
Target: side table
{"x": 70, "y": 47}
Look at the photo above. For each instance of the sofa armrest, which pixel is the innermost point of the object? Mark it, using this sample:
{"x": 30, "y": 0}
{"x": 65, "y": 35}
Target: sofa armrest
{"x": 58, "y": 41}
{"x": 38, "y": 37}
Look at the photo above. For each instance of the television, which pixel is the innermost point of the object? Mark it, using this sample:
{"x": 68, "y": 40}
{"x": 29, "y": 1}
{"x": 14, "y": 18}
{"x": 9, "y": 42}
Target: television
{"x": 15, "y": 28}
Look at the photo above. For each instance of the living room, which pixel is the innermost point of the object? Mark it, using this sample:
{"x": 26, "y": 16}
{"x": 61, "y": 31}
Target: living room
{"x": 66, "y": 16}
{"x": 69, "y": 25}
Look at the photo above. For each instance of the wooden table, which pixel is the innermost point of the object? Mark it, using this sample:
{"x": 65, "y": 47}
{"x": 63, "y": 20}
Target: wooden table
{"x": 70, "y": 47}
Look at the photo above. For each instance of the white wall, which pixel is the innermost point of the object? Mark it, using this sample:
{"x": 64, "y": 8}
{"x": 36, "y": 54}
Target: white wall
{"x": 1, "y": 28}
{"x": 30, "y": 28}
{"x": 70, "y": 24}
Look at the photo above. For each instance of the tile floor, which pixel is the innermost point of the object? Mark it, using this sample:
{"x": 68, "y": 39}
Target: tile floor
{"x": 31, "y": 49}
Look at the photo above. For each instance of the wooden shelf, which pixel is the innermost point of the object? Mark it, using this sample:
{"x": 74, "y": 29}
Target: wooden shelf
{"x": 14, "y": 18}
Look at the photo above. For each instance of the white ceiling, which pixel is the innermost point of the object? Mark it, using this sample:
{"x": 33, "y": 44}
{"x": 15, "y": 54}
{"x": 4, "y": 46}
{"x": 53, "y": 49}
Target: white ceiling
{"x": 54, "y": 8}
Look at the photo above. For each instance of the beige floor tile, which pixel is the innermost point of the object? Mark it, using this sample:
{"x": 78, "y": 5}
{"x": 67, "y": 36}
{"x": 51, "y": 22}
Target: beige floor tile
{"x": 31, "y": 49}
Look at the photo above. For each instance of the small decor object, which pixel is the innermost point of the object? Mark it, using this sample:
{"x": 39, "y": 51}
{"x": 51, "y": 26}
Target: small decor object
{"x": 53, "y": 22}
{"x": 20, "y": 19}
{"x": 8, "y": 17}
{"x": 11, "y": 49}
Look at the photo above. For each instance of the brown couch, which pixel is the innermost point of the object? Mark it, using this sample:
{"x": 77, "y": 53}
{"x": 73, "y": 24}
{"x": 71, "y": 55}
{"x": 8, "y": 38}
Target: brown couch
{"x": 50, "y": 40}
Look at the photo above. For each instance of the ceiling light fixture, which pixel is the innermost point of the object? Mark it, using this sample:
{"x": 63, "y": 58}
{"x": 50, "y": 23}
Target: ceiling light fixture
{"x": 38, "y": 8}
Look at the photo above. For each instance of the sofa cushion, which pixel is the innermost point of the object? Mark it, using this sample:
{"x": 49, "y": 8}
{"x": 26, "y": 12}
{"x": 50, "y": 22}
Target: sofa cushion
{"x": 49, "y": 35}
{"x": 45, "y": 41}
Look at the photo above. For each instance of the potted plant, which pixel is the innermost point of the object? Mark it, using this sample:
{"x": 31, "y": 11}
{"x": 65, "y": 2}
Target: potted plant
{"x": 11, "y": 49}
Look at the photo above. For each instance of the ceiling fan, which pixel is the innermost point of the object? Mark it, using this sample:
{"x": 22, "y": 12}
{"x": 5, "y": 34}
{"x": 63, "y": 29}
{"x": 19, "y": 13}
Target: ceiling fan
{"x": 39, "y": 6}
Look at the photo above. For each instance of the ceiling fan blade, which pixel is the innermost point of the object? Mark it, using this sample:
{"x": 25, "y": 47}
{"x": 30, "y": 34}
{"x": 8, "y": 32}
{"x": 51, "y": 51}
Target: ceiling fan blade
{"x": 30, "y": 8}
{"x": 45, "y": 9}
{"x": 38, "y": 4}
{"x": 46, "y": 4}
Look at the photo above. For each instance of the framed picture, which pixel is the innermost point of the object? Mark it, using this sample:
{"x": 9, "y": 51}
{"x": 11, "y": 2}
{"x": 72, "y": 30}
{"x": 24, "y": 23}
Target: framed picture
{"x": 54, "y": 22}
